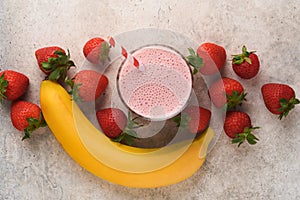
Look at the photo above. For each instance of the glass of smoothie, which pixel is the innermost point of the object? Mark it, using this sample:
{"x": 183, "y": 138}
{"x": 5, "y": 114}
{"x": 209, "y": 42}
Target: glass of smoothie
{"x": 160, "y": 88}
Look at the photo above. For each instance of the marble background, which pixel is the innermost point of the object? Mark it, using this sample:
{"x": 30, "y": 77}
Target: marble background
{"x": 40, "y": 169}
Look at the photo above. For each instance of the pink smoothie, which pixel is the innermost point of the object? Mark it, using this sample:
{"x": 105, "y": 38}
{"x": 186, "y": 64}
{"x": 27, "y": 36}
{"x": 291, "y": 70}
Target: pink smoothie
{"x": 162, "y": 89}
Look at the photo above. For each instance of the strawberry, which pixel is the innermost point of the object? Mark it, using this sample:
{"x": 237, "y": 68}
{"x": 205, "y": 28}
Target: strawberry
{"x": 279, "y": 98}
{"x": 210, "y": 58}
{"x": 27, "y": 117}
{"x": 54, "y": 62}
{"x": 196, "y": 118}
{"x": 246, "y": 65}
{"x": 88, "y": 85}
{"x": 12, "y": 85}
{"x": 238, "y": 126}
{"x": 112, "y": 121}
{"x": 227, "y": 91}
{"x": 96, "y": 50}
{"x": 116, "y": 125}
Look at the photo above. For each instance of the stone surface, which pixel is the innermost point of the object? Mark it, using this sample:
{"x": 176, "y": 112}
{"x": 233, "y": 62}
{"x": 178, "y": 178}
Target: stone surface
{"x": 40, "y": 169}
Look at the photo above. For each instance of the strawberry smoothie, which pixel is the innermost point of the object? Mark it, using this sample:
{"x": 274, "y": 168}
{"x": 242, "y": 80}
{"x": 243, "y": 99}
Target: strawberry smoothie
{"x": 159, "y": 91}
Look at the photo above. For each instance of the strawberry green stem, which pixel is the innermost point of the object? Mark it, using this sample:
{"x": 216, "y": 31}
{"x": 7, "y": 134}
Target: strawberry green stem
{"x": 74, "y": 89}
{"x": 58, "y": 66}
{"x": 194, "y": 60}
{"x": 235, "y": 99}
{"x": 34, "y": 124}
{"x": 3, "y": 86}
{"x": 104, "y": 52}
{"x": 244, "y": 56}
{"x": 129, "y": 133}
{"x": 287, "y": 106}
{"x": 182, "y": 120}
{"x": 245, "y": 136}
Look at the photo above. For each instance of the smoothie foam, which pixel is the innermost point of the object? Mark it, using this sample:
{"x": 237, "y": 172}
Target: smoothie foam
{"x": 162, "y": 89}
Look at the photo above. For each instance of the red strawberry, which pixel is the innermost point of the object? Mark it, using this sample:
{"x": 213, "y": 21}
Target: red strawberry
{"x": 96, "y": 50}
{"x": 238, "y": 126}
{"x": 42, "y": 55}
{"x": 112, "y": 121}
{"x": 54, "y": 61}
{"x": 209, "y": 60}
{"x": 116, "y": 125}
{"x": 12, "y": 85}
{"x": 88, "y": 85}
{"x": 245, "y": 65}
{"x": 26, "y": 116}
{"x": 195, "y": 118}
{"x": 227, "y": 91}
{"x": 279, "y": 98}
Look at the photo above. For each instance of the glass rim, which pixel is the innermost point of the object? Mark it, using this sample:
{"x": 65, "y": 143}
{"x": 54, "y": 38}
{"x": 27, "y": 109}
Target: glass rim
{"x": 170, "y": 49}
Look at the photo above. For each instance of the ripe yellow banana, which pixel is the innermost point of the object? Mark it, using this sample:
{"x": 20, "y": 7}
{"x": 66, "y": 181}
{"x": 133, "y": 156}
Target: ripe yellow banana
{"x": 114, "y": 162}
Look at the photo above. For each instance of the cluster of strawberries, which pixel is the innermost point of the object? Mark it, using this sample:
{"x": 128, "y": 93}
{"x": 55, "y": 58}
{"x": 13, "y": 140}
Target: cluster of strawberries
{"x": 25, "y": 116}
{"x": 88, "y": 85}
{"x": 228, "y": 93}
{"x": 85, "y": 86}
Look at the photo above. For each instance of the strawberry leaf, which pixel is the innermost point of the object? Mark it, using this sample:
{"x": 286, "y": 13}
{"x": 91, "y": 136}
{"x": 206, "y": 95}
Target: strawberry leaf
{"x": 247, "y": 135}
{"x": 235, "y": 99}
{"x": 251, "y": 139}
{"x": 33, "y": 124}
{"x": 26, "y": 134}
{"x": 239, "y": 139}
{"x": 3, "y": 86}
{"x": 129, "y": 133}
{"x": 182, "y": 120}
{"x": 248, "y": 60}
{"x": 287, "y": 106}
{"x": 104, "y": 52}
{"x": 47, "y": 65}
{"x": 244, "y": 50}
{"x": 126, "y": 136}
{"x": 132, "y": 123}
{"x": 128, "y": 140}
{"x": 74, "y": 89}
{"x": 118, "y": 139}
{"x": 58, "y": 66}
{"x": 194, "y": 60}
{"x": 55, "y": 75}
{"x": 75, "y": 93}
{"x": 244, "y": 56}
{"x": 177, "y": 120}
{"x": 238, "y": 60}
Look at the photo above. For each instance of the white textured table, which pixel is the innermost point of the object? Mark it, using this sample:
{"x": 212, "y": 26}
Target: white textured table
{"x": 40, "y": 169}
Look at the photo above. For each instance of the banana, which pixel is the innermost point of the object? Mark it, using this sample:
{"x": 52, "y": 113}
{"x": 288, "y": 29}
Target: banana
{"x": 115, "y": 162}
